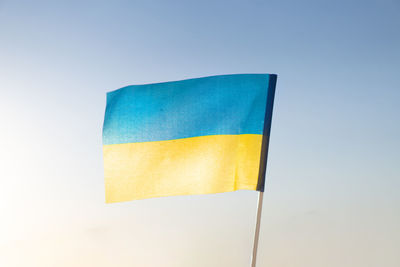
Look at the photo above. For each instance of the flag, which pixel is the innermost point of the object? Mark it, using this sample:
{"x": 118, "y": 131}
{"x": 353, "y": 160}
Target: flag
{"x": 196, "y": 136}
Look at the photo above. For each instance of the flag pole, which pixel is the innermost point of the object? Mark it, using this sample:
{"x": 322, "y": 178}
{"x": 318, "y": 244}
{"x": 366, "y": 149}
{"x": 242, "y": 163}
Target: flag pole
{"x": 263, "y": 161}
{"x": 257, "y": 230}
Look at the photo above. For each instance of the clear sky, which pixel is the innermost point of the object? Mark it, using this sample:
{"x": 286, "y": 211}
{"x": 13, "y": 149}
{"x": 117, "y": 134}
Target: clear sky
{"x": 333, "y": 180}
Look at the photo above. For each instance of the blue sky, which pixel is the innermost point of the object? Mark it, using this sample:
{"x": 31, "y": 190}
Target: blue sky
{"x": 333, "y": 176}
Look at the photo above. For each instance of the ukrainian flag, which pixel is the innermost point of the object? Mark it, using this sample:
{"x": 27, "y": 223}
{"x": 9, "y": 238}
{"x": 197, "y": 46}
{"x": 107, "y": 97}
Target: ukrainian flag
{"x": 196, "y": 136}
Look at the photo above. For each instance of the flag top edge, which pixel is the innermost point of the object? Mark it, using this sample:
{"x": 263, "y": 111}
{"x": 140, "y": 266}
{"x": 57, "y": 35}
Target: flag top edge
{"x": 189, "y": 79}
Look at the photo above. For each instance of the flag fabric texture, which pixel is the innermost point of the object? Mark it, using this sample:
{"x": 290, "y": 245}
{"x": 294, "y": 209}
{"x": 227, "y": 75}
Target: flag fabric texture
{"x": 196, "y": 136}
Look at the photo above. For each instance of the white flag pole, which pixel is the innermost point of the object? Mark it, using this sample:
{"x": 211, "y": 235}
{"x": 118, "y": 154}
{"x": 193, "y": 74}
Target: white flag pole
{"x": 263, "y": 162}
{"x": 257, "y": 230}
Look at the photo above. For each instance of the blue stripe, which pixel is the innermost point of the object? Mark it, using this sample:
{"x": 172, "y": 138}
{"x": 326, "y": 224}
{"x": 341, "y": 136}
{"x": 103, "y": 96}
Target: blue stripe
{"x": 216, "y": 105}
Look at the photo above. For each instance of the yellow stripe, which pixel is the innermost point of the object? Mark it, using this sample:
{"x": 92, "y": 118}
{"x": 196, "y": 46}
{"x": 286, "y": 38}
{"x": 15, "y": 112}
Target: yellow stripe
{"x": 197, "y": 165}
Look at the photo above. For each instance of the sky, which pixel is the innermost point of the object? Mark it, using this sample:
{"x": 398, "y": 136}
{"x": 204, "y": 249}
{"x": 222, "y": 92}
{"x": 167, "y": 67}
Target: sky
{"x": 333, "y": 179}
